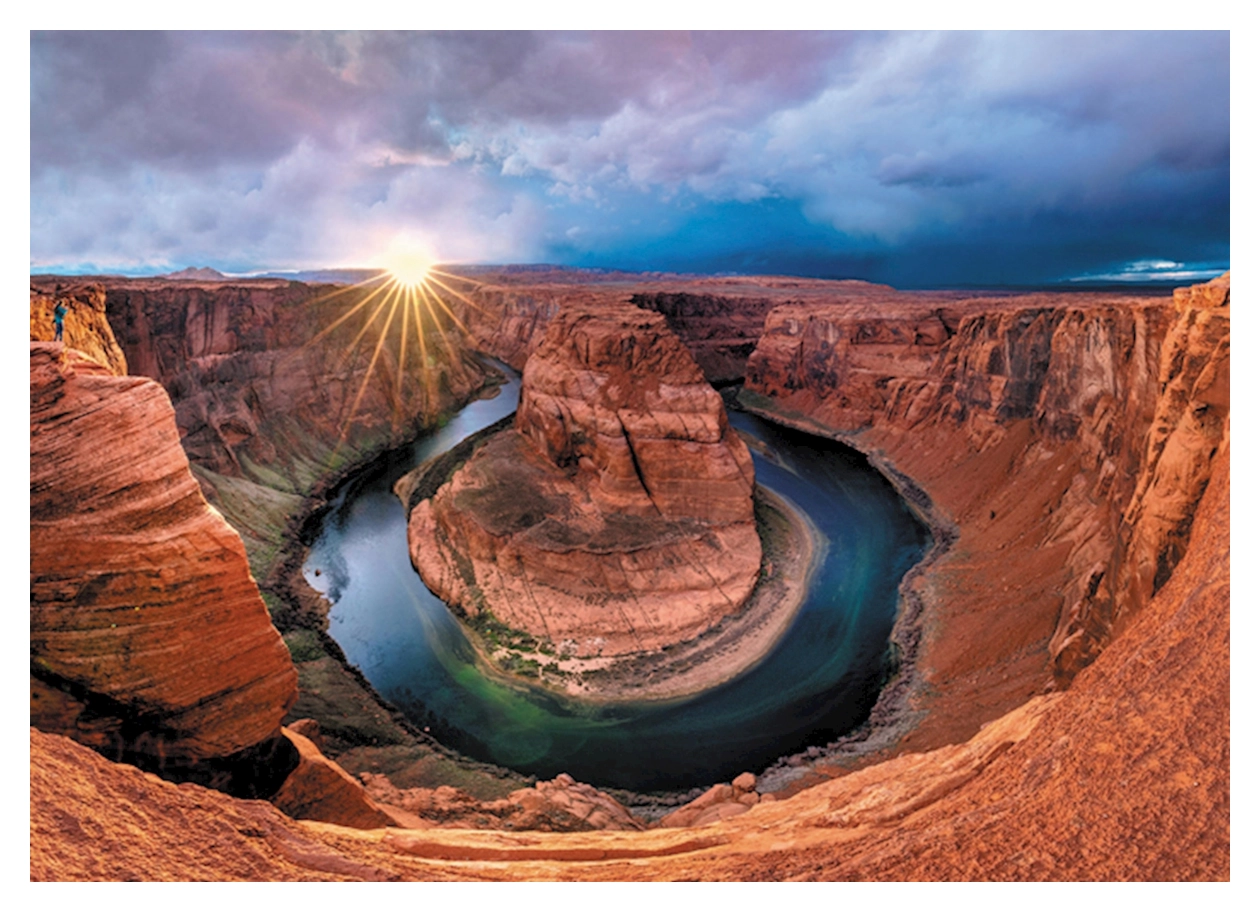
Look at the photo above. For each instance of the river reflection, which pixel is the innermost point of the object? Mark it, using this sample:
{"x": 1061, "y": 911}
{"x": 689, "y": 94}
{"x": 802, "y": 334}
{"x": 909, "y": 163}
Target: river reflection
{"x": 818, "y": 682}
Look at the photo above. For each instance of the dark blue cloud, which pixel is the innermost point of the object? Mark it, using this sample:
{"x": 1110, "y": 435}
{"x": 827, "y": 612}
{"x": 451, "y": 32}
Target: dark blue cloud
{"x": 912, "y": 158}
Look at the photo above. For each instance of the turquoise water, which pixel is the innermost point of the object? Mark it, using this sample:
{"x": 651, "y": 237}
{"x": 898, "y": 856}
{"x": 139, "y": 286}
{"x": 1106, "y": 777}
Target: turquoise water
{"x": 819, "y": 682}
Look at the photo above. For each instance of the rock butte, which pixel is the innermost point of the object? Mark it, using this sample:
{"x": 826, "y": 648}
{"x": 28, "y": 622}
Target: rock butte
{"x": 617, "y": 516}
{"x": 1072, "y": 452}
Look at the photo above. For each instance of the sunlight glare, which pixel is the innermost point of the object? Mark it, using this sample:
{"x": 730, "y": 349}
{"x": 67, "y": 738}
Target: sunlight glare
{"x": 408, "y": 265}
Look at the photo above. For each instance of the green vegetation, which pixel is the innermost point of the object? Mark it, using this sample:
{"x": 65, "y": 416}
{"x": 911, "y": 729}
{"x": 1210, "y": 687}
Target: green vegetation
{"x": 304, "y": 645}
{"x": 515, "y": 651}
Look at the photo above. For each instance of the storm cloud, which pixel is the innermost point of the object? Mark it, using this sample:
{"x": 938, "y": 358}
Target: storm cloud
{"x": 915, "y": 158}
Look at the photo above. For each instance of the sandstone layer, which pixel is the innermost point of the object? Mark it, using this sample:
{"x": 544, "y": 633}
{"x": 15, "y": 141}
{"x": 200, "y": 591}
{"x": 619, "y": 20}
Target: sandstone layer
{"x": 148, "y": 636}
{"x": 1064, "y": 440}
{"x": 1123, "y": 776}
{"x": 617, "y": 515}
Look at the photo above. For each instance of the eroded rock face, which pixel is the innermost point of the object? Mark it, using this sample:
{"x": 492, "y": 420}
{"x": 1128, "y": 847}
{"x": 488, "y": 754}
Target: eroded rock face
{"x": 148, "y": 636}
{"x": 260, "y": 376}
{"x": 1190, "y": 420}
{"x": 617, "y": 517}
{"x": 1064, "y": 439}
{"x": 560, "y": 805}
{"x": 718, "y": 318}
{"x": 612, "y": 392}
{"x": 319, "y": 789}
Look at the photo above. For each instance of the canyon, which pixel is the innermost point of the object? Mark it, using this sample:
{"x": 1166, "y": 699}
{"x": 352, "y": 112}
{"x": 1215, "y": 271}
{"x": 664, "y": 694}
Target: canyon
{"x": 1061, "y": 704}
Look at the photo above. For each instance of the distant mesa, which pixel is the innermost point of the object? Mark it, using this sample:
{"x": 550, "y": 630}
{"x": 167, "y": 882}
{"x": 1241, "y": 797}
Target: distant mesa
{"x": 197, "y": 274}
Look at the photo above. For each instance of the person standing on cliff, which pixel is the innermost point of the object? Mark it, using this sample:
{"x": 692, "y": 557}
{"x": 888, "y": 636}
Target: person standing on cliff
{"x": 59, "y": 319}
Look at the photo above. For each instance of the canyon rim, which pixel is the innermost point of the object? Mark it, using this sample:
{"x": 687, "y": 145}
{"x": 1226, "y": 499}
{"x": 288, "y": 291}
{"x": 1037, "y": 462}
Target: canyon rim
{"x": 838, "y": 490}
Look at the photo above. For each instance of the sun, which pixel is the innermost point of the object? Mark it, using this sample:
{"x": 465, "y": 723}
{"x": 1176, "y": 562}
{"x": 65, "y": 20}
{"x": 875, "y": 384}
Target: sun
{"x": 409, "y": 266}
{"x": 409, "y": 314}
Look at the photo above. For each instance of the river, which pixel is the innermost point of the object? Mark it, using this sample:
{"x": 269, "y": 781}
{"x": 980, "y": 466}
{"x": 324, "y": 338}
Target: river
{"x": 818, "y": 682}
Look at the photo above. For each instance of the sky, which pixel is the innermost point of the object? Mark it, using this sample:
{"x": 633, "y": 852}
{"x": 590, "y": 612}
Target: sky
{"x": 917, "y": 159}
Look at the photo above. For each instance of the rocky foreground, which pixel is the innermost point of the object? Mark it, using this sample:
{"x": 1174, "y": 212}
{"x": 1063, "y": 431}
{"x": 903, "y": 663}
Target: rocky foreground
{"x": 616, "y": 517}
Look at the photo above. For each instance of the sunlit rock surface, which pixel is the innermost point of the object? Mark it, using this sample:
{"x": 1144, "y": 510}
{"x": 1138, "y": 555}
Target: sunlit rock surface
{"x": 617, "y": 516}
{"x": 1036, "y": 427}
{"x": 148, "y": 635}
{"x": 86, "y": 327}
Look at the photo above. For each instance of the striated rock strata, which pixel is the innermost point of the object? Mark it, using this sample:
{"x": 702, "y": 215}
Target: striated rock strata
{"x": 617, "y": 516}
{"x": 1060, "y": 442}
{"x": 719, "y": 319}
{"x": 86, "y": 327}
{"x": 148, "y": 636}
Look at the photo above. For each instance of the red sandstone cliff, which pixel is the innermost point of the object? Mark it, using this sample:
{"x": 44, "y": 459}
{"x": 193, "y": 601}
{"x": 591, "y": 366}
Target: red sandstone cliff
{"x": 617, "y": 516}
{"x": 719, "y": 319}
{"x": 1066, "y": 437}
{"x": 148, "y": 636}
{"x": 255, "y": 377}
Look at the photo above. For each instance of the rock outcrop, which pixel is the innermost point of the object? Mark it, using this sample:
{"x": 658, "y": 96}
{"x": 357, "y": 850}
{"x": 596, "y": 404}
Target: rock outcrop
{"x": 617, "y": 516}
{"x": 718, "y": 803}
{"x": 319, "y": 789}
{"x": 86, "y": 327}
{"x": 149, "y": 640}
{"x": 559, "y": 805}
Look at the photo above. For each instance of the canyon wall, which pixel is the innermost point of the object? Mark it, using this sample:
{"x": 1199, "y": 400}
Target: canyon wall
{"x": 149, "y": 640}
{"x": 617, "y": 515}
{"x": 719, "y": 319}
{"x": 279, "y": 385}
{"x": 1073, "y": 451}
{"x": 1065, "y": 441}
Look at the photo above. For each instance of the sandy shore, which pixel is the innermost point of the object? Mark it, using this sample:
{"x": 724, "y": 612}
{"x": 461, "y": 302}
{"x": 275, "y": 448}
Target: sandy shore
{"x": 794, "y": 548}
